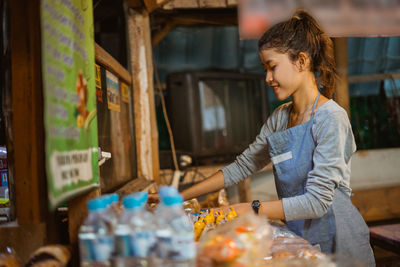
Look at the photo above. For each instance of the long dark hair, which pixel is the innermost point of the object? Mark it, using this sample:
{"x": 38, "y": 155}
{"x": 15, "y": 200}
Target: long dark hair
{"x": 302, "y": 33}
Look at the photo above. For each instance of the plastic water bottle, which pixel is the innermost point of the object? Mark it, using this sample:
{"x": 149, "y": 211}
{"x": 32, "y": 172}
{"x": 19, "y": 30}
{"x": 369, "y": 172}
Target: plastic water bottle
{"x": 111, "y": 215}
{"x": 114, "y": 204}
{"x": 175, "y": 234}
{"x": 135, "y": 233}
{"x": 163, "y": 192}
{"x": 96, "y": 241}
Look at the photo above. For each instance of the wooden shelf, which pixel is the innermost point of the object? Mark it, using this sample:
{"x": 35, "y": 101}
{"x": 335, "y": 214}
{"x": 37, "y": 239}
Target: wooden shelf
{"x": 110, "y": 63}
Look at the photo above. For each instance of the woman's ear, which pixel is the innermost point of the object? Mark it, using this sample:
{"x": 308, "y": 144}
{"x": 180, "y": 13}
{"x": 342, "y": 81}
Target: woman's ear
{"x": 303, "y": 61}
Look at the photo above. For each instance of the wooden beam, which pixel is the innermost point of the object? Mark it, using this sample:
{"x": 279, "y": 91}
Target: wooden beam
{"x": 212, "y": 3}
{"x": 378, "y": 204}
{"x": 143, "y": 94}
{"x": 26, "y": 157}
{"x": 244, "y": 190}
{"x": 373, "y": 77}
{"x": 136, "y": 185}
{"x": 111, "y": 64}
{"x": 189, "y": 18}
{"x": 182, "y": 4}
{"x": 205, "y": 20}
{"x": 134, "y": 3}
{"x": 232, "y": 3}
{"x": 203, "y": 4}
{"x": 150, "y": 5}
{"x": 162, "y": 33}
{"x": 163, "y": 2}
{"x": 342, "y": 87}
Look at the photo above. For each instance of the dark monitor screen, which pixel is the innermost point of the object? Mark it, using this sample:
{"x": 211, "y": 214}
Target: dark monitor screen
{"x": 215, "y": 115}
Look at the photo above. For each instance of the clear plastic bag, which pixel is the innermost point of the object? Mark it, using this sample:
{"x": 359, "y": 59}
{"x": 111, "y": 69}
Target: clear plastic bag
{"x": 245, "y": 241}
{"x": 217, "y": 199}
{"x": 287, "y": 245}
{"x": 191, "y": 206}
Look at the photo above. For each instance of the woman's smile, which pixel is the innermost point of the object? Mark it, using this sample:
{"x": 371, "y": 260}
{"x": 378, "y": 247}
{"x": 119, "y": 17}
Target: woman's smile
{"x": 275, "y": 87}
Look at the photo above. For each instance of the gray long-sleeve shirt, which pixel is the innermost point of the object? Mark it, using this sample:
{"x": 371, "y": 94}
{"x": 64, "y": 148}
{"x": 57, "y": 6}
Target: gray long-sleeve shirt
{"x": 335, "y": 145}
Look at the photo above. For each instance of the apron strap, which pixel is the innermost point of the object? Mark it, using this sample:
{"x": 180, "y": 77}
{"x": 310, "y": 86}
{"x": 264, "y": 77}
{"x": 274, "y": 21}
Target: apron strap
{"x": 312, "y": 115}
{"x": 315, "y": 104}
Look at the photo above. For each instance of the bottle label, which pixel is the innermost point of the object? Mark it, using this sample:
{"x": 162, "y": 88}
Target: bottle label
{"x": 96, "y": 249}
{"x": 184, "y": 246}
{"x": 122, "y": 245}
{"x": 177, "y": 247}
{"x": 164, "y": 243}
{"x": 142, "y": 243}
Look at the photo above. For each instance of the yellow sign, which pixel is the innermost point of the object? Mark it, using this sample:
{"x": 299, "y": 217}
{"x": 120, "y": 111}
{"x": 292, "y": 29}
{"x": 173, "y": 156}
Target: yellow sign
{"x": 98, "y": 76}
{"x": 124, "y": 92}
{"x": 113, "y": 97}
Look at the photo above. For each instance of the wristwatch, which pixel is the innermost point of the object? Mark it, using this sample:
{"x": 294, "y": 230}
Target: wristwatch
{"x": 256, "y": 204}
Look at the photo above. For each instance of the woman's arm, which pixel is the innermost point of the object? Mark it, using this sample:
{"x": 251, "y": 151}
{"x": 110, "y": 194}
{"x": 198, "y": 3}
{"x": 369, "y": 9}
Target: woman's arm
{"x": 251, "y": 160}
{"x": 271, "y": 209}
{"x": 213, "y": 183}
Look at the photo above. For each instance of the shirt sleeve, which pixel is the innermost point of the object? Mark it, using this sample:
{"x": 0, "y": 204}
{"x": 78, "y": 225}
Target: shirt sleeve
{"x": 334, "y": 148}
{"x": 252, "y": 159}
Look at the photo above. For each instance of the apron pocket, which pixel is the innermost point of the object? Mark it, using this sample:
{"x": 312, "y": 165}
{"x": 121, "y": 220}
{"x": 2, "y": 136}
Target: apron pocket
{"x": 283, "y": 163}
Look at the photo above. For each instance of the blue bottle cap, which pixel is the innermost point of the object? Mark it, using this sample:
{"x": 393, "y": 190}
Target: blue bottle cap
{"x": 167, "y": 191}
{"x": 173, "y": 200}
{"x": 106, "y": 199}
{"x": 140, "y": 196}
{"x": 114, "y": 198}
{"x": 132, "y": 203}
{"x": 145, "y": 196}
{"x": 97, "y": 204}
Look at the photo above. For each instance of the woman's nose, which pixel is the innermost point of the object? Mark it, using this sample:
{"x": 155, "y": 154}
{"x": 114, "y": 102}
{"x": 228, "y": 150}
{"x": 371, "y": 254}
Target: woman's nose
{"x": 268, "y": 77}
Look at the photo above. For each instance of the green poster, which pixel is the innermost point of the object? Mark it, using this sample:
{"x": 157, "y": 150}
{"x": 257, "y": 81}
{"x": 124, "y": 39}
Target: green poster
{"x": 69, "y": 98}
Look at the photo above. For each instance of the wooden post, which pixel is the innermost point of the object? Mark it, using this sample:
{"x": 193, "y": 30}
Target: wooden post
{"x": 342, "y": 86}
{"x": 27, "y": 134}
{"x": 138, "y": 24}
{"x": 244, "y": 190}
{"x": 162, "y": 33}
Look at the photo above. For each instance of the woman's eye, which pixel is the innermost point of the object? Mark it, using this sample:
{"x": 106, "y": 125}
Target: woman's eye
{"x": 273, "y": 67}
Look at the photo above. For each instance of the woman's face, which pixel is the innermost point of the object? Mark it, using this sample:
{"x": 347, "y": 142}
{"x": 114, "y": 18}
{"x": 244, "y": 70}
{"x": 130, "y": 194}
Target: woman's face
{"x": 282, "y": 74}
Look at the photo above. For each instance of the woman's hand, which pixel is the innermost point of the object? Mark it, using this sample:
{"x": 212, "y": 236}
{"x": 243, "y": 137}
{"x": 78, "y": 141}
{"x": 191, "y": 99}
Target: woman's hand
{"x": 240, "y": 208}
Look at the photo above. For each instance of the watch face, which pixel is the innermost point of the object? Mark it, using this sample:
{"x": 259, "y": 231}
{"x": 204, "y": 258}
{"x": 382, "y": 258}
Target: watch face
{"x": 256, "y": 205}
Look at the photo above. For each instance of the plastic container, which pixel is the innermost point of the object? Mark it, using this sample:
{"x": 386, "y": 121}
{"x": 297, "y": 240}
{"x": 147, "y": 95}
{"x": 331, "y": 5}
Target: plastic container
{"x": 175, "y": 234}
{"x": 135, "y": 233}
{"x": 111, "y": 213}
{"x": 96, "y": 240}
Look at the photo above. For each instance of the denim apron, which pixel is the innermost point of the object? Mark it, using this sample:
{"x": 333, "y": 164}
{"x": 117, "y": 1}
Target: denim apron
{"x": 342, "y": 229}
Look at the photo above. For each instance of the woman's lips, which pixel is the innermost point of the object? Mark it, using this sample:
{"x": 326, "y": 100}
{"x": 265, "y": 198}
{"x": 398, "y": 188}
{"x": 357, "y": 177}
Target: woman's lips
{"x": 276, "y": 88}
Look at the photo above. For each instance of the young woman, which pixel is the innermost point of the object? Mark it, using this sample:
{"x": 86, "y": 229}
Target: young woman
{"x": 309, "y": 141}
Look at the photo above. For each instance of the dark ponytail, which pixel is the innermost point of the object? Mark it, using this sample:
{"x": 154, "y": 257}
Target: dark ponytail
{"x": 302, "y": 33}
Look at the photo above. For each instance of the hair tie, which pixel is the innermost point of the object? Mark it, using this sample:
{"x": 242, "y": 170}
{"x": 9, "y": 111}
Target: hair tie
{"x": 296, "y": 17}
